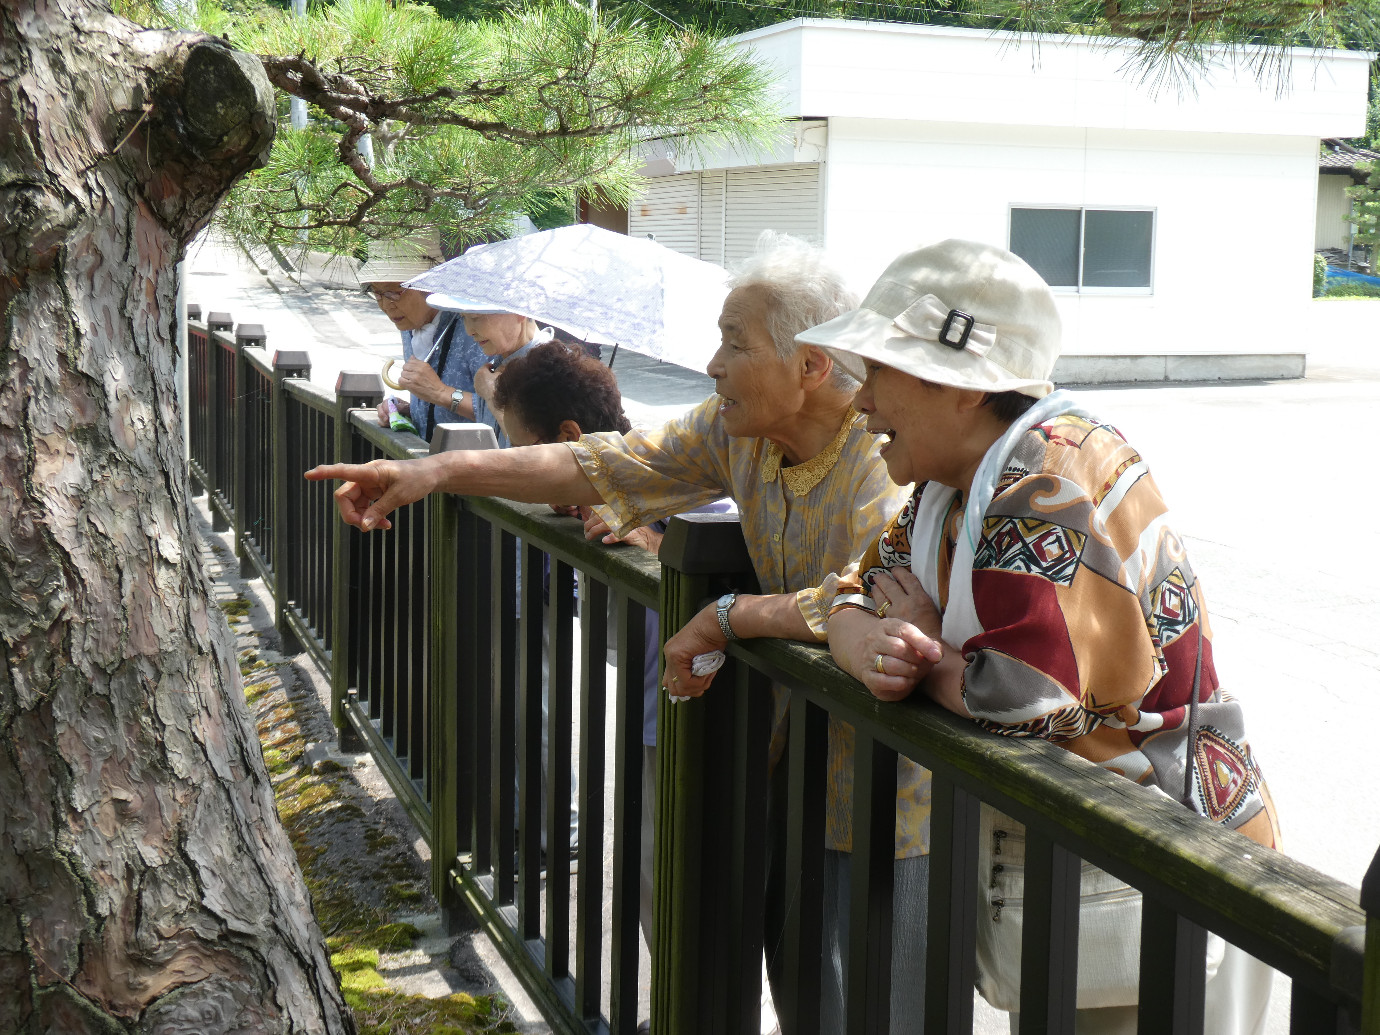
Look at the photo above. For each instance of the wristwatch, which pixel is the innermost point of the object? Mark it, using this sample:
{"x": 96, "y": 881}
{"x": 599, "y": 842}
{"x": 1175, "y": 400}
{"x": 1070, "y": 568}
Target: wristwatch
{"x": 457, "y": 399}
{"x": 721, "y": 609}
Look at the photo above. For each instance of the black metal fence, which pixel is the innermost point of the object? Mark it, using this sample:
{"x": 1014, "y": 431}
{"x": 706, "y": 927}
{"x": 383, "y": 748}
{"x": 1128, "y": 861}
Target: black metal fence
{"x": 432, "y": 636}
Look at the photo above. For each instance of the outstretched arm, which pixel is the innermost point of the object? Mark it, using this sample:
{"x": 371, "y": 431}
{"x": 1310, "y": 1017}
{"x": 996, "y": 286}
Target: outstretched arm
{"x": 530, "y": 474}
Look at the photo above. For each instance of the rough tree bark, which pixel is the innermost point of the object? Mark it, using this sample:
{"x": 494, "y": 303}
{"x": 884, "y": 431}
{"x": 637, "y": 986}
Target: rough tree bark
{"x": 146, "y": 884}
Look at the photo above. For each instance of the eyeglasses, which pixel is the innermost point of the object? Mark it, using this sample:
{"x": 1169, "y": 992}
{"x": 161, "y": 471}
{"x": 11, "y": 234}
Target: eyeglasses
{"x": 390, "y": 296}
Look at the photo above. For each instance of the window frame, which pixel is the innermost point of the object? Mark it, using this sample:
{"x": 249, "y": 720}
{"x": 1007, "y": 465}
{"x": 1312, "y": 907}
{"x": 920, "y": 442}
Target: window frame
{"x": 1083, "y": 210}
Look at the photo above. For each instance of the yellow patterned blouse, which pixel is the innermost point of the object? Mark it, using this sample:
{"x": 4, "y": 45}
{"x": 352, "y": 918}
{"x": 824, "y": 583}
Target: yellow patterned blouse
{"x": 801, "y": 524}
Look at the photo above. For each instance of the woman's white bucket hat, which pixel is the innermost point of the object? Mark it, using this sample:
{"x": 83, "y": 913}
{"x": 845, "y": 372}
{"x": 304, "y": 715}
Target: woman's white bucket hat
{"x": 956, "y": 313}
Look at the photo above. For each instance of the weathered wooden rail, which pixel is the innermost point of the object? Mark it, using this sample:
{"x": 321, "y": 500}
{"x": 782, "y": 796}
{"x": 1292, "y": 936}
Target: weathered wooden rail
{"x": 435, "y": 663}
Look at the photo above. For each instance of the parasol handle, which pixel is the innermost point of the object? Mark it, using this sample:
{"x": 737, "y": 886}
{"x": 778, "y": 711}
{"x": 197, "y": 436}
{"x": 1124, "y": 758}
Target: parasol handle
{"x": 387, "y": 366}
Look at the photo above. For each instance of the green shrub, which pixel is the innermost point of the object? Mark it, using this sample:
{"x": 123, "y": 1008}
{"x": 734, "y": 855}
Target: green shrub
{"x": 1319, "y": 275}
{"x": 1352, "y": 289}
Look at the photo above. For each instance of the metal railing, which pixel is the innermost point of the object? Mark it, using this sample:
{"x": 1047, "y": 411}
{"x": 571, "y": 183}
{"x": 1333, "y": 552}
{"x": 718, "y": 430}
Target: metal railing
{"x": 432, "y": 638}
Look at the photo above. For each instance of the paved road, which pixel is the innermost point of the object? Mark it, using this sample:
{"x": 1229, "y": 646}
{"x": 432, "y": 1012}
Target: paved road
{"x": 1271, "y": 484}
{"x": 340, "y": 326}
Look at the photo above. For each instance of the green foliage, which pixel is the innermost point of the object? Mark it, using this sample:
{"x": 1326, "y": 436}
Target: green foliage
{"x": 1352, "y": 289}
{"x": 457, "y": 123}
{"x": 1172, "y": 33}
{"x": 1365, "y": 207}
{"x": 473, "y": 122}
{"x": 211, "y": 16}
{"x": 1319, "y": 274}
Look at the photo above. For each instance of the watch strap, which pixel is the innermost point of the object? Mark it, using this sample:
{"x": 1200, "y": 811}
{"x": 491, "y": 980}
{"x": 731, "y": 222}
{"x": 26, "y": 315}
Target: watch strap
{"x": 721, "y": 609}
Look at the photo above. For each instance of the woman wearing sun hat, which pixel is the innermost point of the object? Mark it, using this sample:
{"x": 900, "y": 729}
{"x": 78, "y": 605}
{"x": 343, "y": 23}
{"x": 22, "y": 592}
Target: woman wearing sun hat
{"x": 439, "y": 358}
{"x": 502, "y": 336}
{"x": 1037, "y": 553}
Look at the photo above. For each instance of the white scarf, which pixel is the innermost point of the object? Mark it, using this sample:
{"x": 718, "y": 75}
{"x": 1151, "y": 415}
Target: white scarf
{"x": 424, "y": 339}
{"x": 927, "y": 534}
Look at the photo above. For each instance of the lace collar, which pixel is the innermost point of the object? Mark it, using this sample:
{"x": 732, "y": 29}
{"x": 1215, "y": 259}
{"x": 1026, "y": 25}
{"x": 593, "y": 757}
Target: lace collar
{"x": 801, "y": 478}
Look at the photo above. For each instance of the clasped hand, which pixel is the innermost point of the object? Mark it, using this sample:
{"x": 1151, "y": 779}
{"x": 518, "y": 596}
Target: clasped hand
{"x": 890, "y": 652}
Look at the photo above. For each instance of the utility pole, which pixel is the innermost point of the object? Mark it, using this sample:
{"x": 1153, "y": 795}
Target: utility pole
{"x": 299, "y": 106}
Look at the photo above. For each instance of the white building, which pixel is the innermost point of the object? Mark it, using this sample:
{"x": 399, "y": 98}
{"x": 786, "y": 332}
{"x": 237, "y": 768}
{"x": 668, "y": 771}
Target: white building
{"x": 1174, "y": 224}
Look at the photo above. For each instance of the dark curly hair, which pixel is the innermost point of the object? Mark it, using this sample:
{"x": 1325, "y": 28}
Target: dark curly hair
{"x": 556, "y": 382}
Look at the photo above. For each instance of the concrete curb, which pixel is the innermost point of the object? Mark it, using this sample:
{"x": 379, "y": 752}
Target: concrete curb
{"x": 1172, "y": 367}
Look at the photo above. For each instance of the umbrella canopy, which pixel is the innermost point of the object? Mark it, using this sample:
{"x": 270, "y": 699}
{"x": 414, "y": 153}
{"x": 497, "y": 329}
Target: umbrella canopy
{"x": 600, "y": 286}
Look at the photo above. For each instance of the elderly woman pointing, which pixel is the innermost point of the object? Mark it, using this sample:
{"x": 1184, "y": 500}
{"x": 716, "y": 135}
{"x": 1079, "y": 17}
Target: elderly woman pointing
{"x": 781, "y": 439}
{"x": 1037, "y": 554}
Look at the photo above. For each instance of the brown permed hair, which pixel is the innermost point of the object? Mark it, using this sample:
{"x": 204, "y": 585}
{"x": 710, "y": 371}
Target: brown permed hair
{"x": 557, "y": 382}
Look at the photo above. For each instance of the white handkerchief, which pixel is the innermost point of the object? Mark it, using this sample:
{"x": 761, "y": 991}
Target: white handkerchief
{"x": 705, "y": 664}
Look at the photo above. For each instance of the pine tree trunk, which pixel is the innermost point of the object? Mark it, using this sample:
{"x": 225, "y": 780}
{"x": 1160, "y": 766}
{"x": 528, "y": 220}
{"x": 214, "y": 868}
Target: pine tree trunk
{"x": 145, "y": 881}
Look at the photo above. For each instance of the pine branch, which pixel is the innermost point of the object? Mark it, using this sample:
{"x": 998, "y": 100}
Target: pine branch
{"x": 470, "y": 122}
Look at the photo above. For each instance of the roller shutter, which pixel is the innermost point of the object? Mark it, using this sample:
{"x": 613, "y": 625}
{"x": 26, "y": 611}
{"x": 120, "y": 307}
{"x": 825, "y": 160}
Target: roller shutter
{"x": 712, "y": 216}
{"x": 668, "y": 210}
{"x": 776, "y": 197}
{"x": 718, "y": 215}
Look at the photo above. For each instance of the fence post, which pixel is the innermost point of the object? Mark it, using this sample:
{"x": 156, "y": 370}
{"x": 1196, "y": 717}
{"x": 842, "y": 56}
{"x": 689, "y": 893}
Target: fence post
{"x": 1370, "y": 983}
{"x": 245, "y": 334}
{"x": 191, "y": 314}
{"x": 702, "y": 556}
{"x": 214, "y": 402}
{"x": 353, "y": 390}
{"x": 452, "y": 770}
{"x": 286, "y": 519}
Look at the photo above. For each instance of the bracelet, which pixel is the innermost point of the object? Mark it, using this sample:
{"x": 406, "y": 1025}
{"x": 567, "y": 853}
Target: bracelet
{"x": 851, "y": 607}
{"x": 861, "y": 601}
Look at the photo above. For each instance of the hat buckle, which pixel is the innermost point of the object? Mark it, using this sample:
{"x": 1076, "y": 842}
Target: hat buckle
{"x": 958, "y": 327}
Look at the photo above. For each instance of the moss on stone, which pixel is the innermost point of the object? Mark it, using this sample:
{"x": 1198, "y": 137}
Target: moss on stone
{"x": 359, "y": 872}
{"x": 391, "y": 1013}
{"x": 238, "y": 607}
{"x": 355, "y": 959}
{"x": 404, "y": 895}
{"x": 378, "y": 840}
{"x": 395, "y": 937}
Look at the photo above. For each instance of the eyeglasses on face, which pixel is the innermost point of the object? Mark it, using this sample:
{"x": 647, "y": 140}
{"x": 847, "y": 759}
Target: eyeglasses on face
{"x": 389, "y": 296}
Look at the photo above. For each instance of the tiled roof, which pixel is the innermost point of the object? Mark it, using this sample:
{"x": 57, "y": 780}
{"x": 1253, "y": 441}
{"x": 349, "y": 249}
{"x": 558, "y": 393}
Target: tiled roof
{"x": 1337, "y": 155}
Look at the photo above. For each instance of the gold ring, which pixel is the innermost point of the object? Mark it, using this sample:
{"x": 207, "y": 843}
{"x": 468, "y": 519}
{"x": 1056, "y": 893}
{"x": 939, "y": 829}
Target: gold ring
{"x": 881, "y": 611}
{"x": 675, "y": 679}
{"x": 878, "y": 665}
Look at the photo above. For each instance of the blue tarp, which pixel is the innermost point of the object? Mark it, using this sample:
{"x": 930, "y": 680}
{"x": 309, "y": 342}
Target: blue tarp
{"x": 1335, "y": 274}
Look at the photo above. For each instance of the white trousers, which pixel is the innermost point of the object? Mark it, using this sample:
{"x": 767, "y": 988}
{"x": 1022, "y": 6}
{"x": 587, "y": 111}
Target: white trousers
{"x": 1236, "y": 1002}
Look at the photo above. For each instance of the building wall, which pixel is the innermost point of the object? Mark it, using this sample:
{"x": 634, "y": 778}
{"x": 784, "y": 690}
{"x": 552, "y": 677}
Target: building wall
{"x": 942, "y": 74}
{"x": 1333, "y": 206}
{"x": 1233, "y": 219}
{"x": 917, "y": 133}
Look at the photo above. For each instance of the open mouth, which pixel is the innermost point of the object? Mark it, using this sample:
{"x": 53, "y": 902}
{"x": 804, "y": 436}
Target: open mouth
{"x": 725, "y": 403}
{"x": 890, "y": 434}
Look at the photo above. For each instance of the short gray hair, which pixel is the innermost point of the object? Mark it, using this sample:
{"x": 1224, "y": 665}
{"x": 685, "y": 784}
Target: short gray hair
{"x": 803, "y": 290}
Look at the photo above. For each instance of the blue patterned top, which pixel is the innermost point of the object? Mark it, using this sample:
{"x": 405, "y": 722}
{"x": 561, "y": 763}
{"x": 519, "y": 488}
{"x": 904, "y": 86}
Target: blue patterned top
{"x": 455, "y": 357}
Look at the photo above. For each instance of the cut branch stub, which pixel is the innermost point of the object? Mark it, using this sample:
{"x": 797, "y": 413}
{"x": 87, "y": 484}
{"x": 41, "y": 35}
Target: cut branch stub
{"x": 212, "y": 122}
{"x": 229, "y": 105}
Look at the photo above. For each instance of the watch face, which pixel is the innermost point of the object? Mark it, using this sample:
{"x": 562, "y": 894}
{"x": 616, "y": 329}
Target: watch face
{"x": 726, "y": 600}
